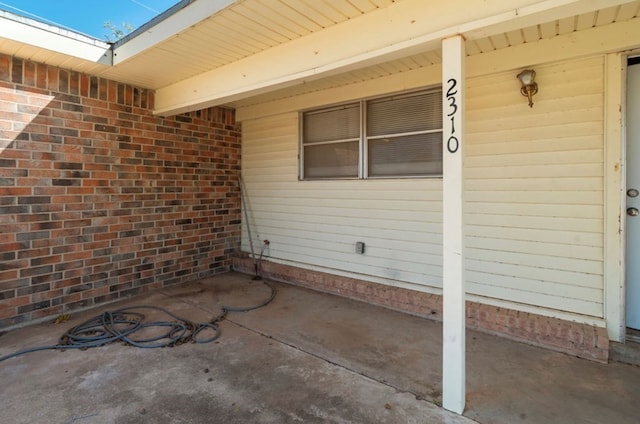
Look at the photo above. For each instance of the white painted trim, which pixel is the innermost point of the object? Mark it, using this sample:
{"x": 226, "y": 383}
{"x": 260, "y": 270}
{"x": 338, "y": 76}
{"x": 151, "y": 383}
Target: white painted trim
{"x": 168, "y": 27}
{"x": 453, "y": 278}
{"x": 614, "y": 252}
{"x": 389, "y": 35}
{"x": 599, "y": 40}
{"x": 565, "y": 47}
{"x": 539, "y": 12}
{"x": 52, "y": 38}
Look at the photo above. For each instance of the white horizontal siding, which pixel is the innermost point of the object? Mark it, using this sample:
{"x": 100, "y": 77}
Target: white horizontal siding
{"x": 571, "y": 239}
{"x": 534, "y": 181}
{"x": 534, "y": 199}
{"x": 317, "y": 223}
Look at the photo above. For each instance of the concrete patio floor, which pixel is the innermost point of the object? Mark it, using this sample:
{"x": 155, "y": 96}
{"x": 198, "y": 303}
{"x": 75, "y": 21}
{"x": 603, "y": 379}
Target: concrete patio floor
{"x": 305, "y": 357}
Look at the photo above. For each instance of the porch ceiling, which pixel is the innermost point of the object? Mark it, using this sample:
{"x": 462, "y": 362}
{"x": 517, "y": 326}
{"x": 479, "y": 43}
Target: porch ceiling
{"x": 529, "y": 34}
{"x": 203, "y": 40}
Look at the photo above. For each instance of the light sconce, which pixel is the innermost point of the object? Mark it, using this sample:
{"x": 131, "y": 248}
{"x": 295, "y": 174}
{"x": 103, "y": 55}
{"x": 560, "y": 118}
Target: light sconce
{"x": 529, "y": 85}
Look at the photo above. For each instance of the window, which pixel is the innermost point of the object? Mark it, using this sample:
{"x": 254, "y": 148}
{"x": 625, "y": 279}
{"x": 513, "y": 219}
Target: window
{"x": 395, "y": 136}
{"x": 331, "y": 142}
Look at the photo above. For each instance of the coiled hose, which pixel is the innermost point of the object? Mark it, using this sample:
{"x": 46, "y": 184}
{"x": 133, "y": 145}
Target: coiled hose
{"x": 123, "y": 324}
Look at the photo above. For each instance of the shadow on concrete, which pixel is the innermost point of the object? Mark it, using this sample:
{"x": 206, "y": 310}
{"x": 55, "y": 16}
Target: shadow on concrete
{"x": 306, "y": 357}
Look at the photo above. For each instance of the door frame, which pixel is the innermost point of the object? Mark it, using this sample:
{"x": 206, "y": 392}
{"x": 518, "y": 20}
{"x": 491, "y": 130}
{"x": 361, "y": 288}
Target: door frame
{"x": 615, "y": 73}
{"x": 615, "y": 161}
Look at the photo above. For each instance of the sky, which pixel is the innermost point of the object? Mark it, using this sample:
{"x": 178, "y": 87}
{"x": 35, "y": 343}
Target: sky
{"x": 88, "y": 16}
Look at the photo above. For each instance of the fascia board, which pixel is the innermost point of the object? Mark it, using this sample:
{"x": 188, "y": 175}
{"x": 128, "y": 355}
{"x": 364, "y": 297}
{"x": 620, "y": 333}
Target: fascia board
{"x": 58, "y": 40}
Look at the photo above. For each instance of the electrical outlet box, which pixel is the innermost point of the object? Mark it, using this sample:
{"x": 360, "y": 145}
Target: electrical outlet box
{"x": 360, "y": 247}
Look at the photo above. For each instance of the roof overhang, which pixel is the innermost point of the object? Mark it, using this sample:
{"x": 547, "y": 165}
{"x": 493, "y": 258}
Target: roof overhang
{"x": 48, "y": 37}
{"x": 203, "y": 53}
{"x": 403, "y": 28}
{"x": 172, "y": 22}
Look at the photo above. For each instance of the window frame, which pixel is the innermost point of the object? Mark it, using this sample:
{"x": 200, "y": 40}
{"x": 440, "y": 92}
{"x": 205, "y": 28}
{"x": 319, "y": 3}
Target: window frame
{"x": 324, "y": 143}
{"x": 363, "y": 139}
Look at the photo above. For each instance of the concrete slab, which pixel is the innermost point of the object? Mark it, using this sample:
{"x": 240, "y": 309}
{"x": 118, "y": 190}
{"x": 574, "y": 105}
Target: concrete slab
{"x": 306, "y": 357}
{"x": 507, "y": 382}
{"x": 244, "y": 377}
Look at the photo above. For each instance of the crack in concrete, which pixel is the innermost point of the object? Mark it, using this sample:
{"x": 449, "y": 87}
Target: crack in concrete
{"x": 342, "y": 366}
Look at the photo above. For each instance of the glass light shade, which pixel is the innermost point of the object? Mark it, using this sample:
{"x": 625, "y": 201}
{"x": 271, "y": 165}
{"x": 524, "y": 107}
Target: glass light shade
{"x": 529, "y": 85}
{"x": 527, "y": 77}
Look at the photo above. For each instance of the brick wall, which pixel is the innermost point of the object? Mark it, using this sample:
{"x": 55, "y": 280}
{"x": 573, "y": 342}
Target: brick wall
{"x": 585, "y": 341}
{"x": 99, "y": 199}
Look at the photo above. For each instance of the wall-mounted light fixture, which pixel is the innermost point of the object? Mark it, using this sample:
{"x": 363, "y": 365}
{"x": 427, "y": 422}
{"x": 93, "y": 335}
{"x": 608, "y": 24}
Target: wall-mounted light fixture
{"x": 529, "y": 85}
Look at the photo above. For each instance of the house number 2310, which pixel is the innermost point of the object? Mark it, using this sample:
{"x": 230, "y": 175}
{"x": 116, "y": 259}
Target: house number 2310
{"x": 452, "y": 143}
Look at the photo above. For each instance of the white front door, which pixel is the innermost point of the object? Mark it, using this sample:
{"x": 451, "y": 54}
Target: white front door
{"x": 633, "y": 194}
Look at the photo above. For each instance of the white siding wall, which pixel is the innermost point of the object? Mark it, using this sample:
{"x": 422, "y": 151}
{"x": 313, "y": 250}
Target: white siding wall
{"x": 317, "y": 223}
{"x": 534, "y": 199}
{"x": 534, "y": 181}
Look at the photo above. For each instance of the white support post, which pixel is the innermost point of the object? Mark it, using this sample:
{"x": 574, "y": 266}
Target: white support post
{"x": 453, "y": 291}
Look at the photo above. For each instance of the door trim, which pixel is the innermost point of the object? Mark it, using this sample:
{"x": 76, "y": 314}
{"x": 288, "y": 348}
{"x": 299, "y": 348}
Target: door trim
{"x": 615, "y": 186}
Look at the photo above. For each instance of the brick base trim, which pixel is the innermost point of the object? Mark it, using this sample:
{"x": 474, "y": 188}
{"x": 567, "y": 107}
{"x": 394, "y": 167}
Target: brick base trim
{"x": 582, "y": 340}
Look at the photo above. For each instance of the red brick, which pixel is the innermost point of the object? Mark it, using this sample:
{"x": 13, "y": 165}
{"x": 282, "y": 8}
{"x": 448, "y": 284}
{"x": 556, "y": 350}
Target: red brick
{"x": 52, "y": 78}
{"x": 102, "y": 88}
{"x": 29, "y": 74}
{"x": 74, "y": 83}
{"x": 582, "y": 340}
{"x": 47, "y": 312}
{"x": 15, "y": 302}
{"x": 46, "y": 295}
{"x": 84, "y": 86}
{"x": 41, "y": 76}
{"x": 17, "y": 65}
{"x": 116, "y": 185}
{"x": 7, "y": 311}
{"x": 67, "y": 282}
{"x": 5, "y": 68}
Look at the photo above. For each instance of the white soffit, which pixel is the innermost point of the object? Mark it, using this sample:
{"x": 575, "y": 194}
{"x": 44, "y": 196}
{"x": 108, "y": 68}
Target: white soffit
{"x": 176, "y": 22}
{"x": 242, "y": 29}
{"x": 202, "y": 53}
{"x": 518, "y": 37}
{"x": 52, "y": 38}
{"x": 401, "y": 29}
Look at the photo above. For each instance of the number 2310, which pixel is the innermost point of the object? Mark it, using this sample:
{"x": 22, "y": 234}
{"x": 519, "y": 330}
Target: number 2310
{"x": 452, "y": 143}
